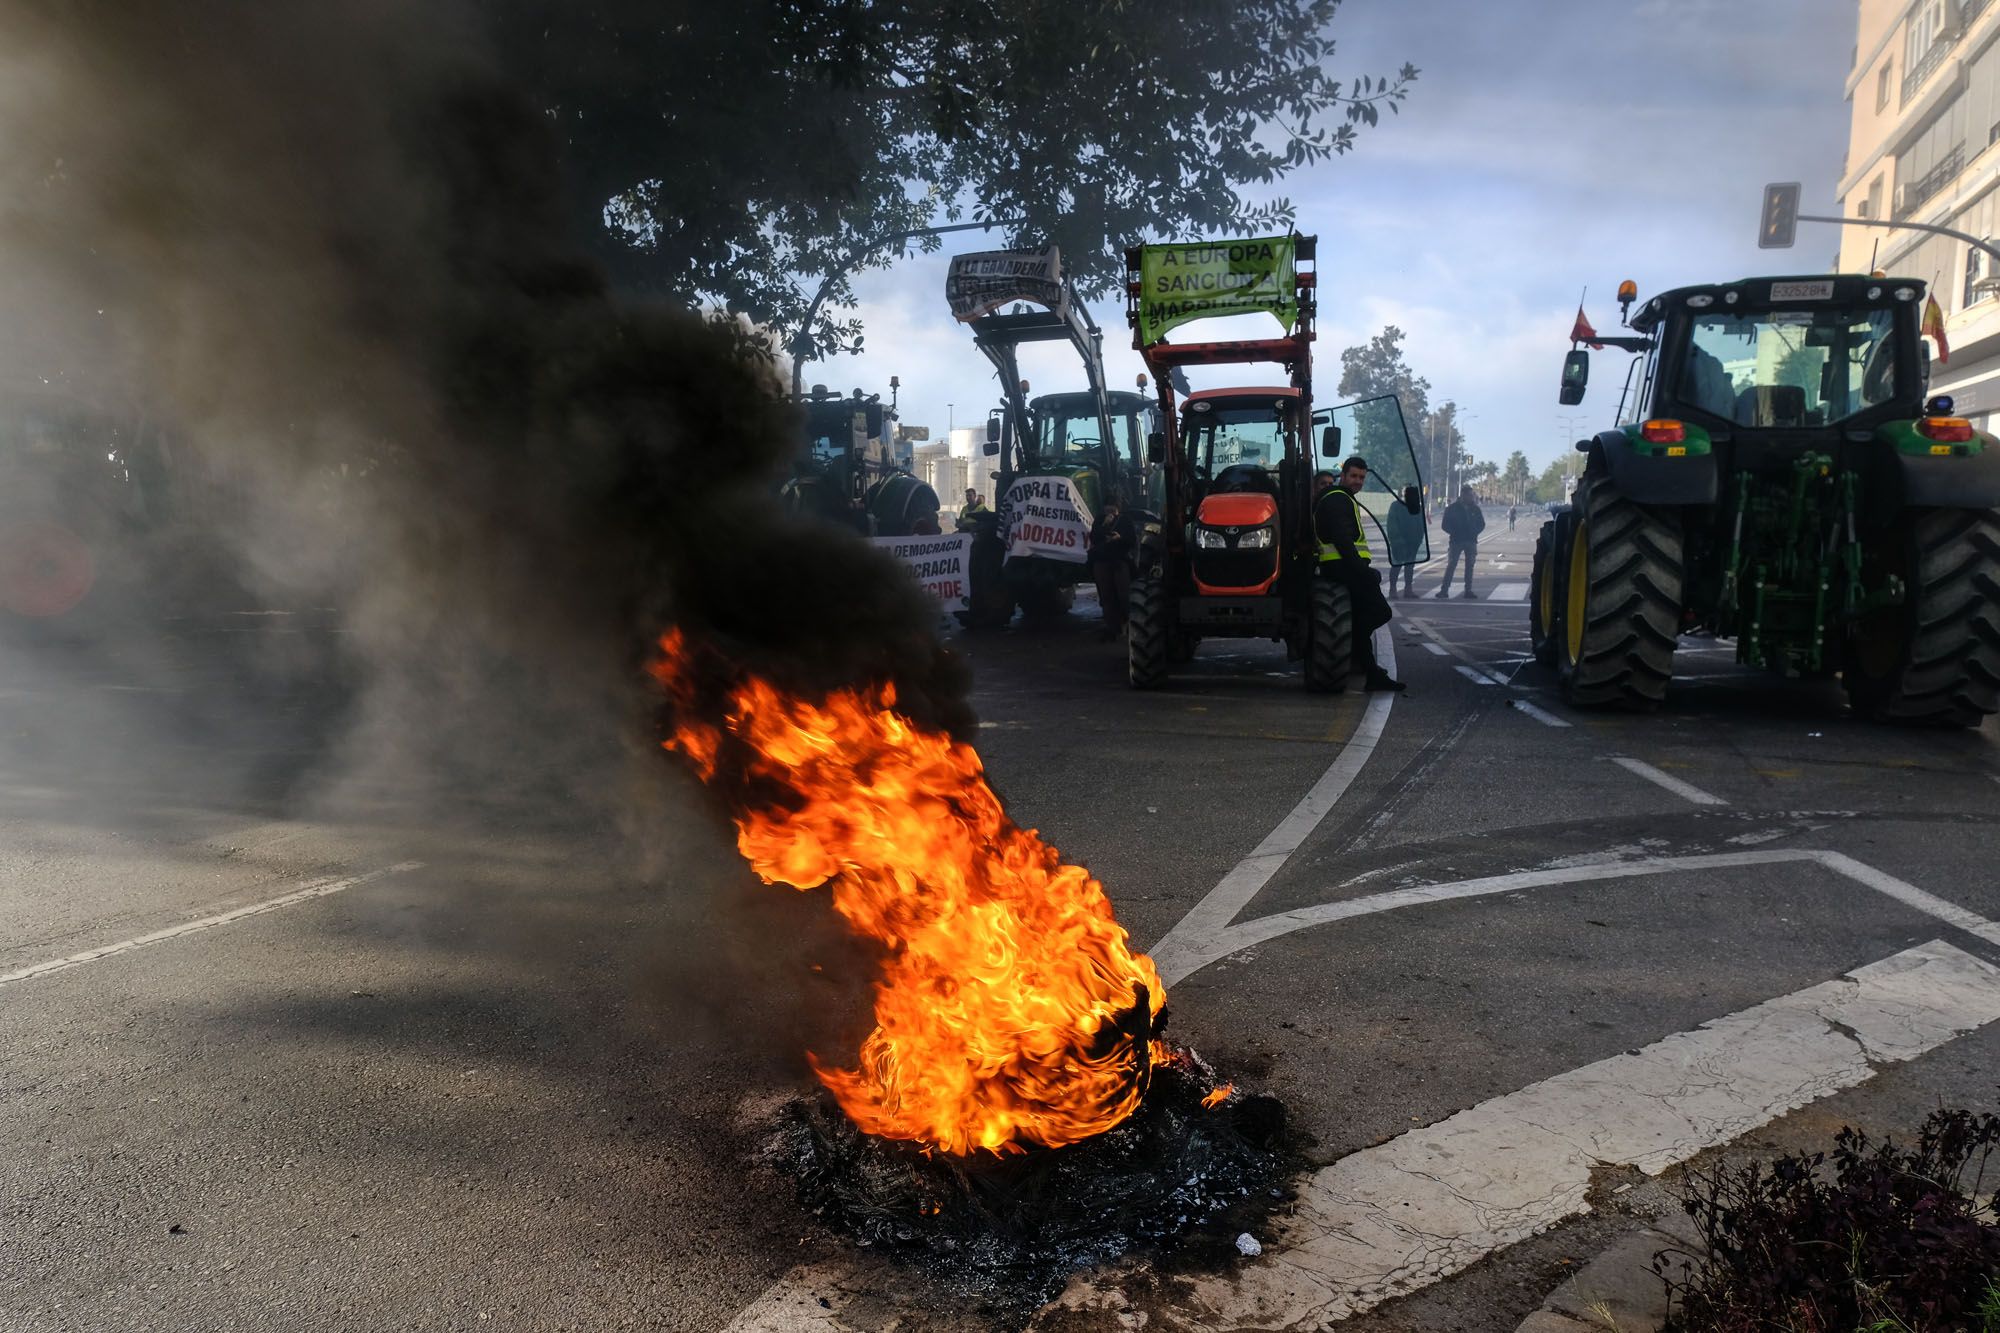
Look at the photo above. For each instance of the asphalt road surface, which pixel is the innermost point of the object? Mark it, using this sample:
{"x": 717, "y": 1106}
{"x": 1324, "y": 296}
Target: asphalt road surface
{"x": 289, "y": 1052}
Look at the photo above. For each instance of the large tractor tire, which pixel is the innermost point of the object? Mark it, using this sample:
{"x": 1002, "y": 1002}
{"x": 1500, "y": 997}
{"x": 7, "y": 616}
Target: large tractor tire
{"x": 1544, "y": 599}
{"x": 1621, "y": 602}
{"x": 990, "y": 603}
{"x": 1045, "y": 604}
{"x": 1935, "y": 658}
{"x": 1329, "y": 638}
{"x": 1149, "y": 632}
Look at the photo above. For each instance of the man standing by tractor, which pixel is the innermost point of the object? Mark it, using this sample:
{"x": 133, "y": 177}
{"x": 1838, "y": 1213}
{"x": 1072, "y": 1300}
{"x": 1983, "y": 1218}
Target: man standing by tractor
{"x": 1462, "y": 525}
{"x": 969, "y": 512}
{"x": 1340, "y": 530}
{"x": 1113, "y": 539}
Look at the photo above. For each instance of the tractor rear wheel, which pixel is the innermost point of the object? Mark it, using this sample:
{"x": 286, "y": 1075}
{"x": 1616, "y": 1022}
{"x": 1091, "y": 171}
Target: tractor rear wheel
{"x": 1329, "y": 638}
{"x": 1621, "y": 601}
{"x": 1935, "y": 658}
{"x": 1149, "y": 632}
{"x": 1542, "y": 596}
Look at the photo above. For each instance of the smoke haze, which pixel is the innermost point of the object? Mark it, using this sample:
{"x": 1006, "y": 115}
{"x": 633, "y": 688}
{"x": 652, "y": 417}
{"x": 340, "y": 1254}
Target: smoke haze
{"x": 326, "y": 244}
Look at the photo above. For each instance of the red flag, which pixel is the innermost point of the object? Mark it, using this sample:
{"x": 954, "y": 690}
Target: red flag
{"x": 1581, "y": 332}
{"x": 1933, "y": 328}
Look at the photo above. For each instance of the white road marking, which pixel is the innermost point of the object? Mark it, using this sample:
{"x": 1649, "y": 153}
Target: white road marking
{"x": 1508, "y": 592}
{"x": 1437, "y": 648}
{"x": 1685, "y": 790}
{"x": 1393, "y": 1219}
{"x": 1540, "y": 715}
{"x": 1235, "y": 890}
{"x": 1190, "y": 954}
{"x": 317, "y": 889}
{"x": 1476, "y": 676}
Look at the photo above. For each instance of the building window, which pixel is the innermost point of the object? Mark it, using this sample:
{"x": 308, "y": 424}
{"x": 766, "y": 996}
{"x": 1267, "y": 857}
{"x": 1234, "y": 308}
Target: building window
{"x": 1882, "y": 86}
{"x": 1978, "y": 264}
{"x": 1871, "y": 207}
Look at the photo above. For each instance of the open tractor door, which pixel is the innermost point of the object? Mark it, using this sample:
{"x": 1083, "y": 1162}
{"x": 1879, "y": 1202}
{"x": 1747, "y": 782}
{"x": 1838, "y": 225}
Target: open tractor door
{"x": 1233, "y": 552}
{"x": 1060, "y": 455}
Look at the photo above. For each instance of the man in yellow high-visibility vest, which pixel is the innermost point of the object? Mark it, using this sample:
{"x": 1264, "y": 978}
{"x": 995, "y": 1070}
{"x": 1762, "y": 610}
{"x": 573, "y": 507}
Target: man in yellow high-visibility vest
{"x": 1341, "y": 531}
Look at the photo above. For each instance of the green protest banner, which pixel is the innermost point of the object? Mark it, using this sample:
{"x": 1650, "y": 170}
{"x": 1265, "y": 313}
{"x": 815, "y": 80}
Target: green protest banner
{"x": 1203, "y": 279}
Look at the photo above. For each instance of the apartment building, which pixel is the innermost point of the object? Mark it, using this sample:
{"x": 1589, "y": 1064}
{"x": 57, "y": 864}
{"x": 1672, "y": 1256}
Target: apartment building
{"x": 1924, "y": 146}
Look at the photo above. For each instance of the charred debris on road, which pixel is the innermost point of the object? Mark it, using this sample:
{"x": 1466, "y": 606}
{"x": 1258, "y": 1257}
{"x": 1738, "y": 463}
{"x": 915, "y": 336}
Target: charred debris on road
{"x": 1198, "y": 1165}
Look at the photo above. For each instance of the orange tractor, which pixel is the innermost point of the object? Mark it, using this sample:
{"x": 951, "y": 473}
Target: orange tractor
{"x": 1233, "y": 553}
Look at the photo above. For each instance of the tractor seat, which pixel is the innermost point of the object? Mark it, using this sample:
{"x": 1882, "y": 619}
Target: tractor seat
{"x": 1771, "y": 405}
{"x": 1241, "y": 478}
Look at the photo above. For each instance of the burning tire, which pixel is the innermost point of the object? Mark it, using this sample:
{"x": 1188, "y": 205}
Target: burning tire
{"x": 1621, "y": 601}
{"x": 1329, "y": 638}
{"x": 1149, "y": 632}
{"x": 46, "y": 569}
{"x": 1936, "y": 657}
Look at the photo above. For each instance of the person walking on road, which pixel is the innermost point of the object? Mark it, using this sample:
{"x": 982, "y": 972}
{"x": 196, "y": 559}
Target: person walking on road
{"x": 1113, "y": 539}
{"x": 1406, "y": 541}
{"x": 1512, "y": 512}
{"x": 1340, "y": 529}
{"x": 1462, "y": 525}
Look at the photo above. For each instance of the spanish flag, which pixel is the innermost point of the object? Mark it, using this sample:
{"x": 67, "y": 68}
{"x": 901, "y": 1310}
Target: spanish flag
{"x": 1933, "y": 328}
{"x": 1582, "y": 332}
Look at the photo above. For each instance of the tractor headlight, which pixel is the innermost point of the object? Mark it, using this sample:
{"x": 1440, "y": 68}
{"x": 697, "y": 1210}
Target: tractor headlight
{"x": 1257, "y": 539}
{"x": 1208, "y": 539}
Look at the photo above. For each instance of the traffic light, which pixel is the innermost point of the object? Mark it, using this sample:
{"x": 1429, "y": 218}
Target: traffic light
{"x": 1781, "y": 216}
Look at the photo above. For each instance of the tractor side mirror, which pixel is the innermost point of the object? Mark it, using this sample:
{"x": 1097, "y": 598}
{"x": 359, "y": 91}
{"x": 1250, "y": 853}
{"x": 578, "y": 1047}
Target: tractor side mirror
{"x": 992, "y": 436}
{"x": 1329, "y": 442}
{"x": 1156, "y": 447}
{"x": 1576, "y": 374}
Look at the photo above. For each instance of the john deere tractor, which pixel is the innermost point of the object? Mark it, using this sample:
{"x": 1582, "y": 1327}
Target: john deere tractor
{"x": 1776, "y": 476}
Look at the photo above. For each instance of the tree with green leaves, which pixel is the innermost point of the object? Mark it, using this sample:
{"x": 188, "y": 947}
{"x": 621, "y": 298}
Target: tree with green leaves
{"x": 1516, "y": 476}
{"x": 741, "y": 157}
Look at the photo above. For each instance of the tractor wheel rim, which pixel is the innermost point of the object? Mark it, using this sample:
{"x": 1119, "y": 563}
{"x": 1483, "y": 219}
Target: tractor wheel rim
{"x": 1579, "y": 592}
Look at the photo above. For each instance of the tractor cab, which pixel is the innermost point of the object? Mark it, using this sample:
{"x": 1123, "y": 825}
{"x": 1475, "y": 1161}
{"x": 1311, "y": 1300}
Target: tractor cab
{"x": 1244, "y": 449}
{"x": 846, "y": 470}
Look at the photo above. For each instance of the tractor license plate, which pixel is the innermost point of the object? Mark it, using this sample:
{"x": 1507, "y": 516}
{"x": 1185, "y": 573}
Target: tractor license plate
{"x": 1802, "y": 291}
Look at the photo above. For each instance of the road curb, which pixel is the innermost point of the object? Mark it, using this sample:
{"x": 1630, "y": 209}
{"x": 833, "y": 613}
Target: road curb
{"x": 1616, "y": 1292}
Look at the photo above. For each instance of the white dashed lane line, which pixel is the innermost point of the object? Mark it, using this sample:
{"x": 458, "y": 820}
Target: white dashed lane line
{"x": 1687, "y": 791}
{"x": 316, "y": 889}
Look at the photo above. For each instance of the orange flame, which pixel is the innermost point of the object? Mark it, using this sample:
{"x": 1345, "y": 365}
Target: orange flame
{"x": 1217, "y": 1096}
{"x": 1011, "y": 1010}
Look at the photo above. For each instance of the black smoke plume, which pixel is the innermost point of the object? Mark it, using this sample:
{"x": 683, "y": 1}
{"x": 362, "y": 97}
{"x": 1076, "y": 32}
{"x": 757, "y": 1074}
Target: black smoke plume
{"x": 328, "y": 243}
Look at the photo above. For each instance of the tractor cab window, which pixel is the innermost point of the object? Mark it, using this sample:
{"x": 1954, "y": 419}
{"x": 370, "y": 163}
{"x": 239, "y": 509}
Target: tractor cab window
{"x": 1790, "y": 367}
{"x": 1070, "y": 437}
{"x": 1224, "y": 437}
{"x": 833, "y": 430}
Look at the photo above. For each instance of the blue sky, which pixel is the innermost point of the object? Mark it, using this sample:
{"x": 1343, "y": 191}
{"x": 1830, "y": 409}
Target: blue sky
{"x": 1548, "y": 145}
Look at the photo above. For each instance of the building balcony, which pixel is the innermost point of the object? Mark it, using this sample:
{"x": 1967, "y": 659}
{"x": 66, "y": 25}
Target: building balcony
{"x": 1940, "y": 50}
{"x": 1913, "y": 195}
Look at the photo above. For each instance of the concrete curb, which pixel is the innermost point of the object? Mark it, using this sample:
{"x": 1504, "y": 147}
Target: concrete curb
{"x": 1616, "y": 1292}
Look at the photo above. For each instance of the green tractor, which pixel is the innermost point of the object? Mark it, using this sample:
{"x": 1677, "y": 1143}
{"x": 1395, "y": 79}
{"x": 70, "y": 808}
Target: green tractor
{"x": 1060, "y": 455}
{"x": 1777, "y": 477}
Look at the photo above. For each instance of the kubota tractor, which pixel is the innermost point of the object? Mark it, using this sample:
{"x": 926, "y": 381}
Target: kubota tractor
{"x": 1233, "y": 553}
{"x": 1778, "y": 477}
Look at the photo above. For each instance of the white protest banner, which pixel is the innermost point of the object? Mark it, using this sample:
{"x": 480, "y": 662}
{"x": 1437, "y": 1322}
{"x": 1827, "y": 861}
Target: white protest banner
{"x": 940, "y": 564}
{"x": 978, "y": 284}
{"x": 1045, "y": 516}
